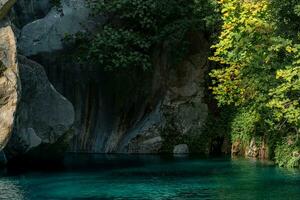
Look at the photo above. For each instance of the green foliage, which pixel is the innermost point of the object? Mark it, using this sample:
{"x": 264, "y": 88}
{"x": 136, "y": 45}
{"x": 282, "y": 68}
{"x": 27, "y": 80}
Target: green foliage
{"x": 243, "y": 125}
{"x": 285, "y": 101}
{"x": 135, "y": 27}
{"x": 216, "y": 128}
{"x": 287, "y": 17}
{"x": 259, "y": 72}
{"x": 119, "y": 48}
{"x": 287, "y": 153}
{"x": 241, "y": 48}
{"x": 56, "y": 3}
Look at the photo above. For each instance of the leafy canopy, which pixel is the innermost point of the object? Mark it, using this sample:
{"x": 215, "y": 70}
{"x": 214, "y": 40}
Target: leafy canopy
{"x": 258, "y": 52}
{"x": 133, "y": 28}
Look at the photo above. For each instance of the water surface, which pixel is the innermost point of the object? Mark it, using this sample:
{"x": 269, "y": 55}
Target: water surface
{"x": 151, "y": 177}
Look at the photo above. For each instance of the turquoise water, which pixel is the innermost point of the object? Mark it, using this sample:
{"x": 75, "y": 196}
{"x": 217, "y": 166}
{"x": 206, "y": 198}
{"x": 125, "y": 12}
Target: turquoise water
{"x": 151, "y": 177}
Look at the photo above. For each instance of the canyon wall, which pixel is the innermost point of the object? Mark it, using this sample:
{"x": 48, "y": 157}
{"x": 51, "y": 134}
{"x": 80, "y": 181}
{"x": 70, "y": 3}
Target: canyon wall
{"x": 113, "y": 113}
{"x": 64, "y": 106}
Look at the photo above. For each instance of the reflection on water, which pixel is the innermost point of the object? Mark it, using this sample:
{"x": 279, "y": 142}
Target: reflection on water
{"x": 9, "y": 189}
{"x": 153, "y": 177}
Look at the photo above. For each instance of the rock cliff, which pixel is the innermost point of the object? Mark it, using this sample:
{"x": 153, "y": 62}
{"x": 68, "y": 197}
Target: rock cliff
{"x": 112, "y": 113}
{"x": 106, "y": 113}
{"x": 31, "y": 119}
{"x": 180, "y": 111}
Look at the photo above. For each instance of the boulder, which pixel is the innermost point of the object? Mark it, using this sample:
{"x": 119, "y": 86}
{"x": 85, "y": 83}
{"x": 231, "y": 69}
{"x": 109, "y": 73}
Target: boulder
{"x": 181, "y": 149}
{"x": 9, "y": 82}
{"x": 5, "y": 6}
{"x": 44, "y": 117}
{"x": 46, "y": 35}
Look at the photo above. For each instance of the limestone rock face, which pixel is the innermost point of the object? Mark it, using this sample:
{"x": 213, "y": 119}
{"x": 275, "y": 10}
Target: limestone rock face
{"x": 9, "y": 82}
{"x": 181, "y": 111}
{"x": 146, "y": 136}
{"x": 44, "y": 117}
{"x": 181, "y": 149}
{"x": 152, "y": 145}
{"x": 253, "y": 149}
{"x": 257, "y": 148}
{"x": 236, "y": 149}
{"x": 46, "y": 35}
{"x": 105, "y": 120}
{"x": 5, "y": 6}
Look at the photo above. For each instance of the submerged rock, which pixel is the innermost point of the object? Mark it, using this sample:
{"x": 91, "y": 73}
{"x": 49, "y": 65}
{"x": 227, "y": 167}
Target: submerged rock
{"x": 9, "y": 82}
{"x": 44, "y": 117}
{"x": 181, "y": 149}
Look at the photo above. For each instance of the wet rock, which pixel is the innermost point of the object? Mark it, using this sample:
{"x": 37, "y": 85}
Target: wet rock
{"x": 181, "y": 149}
{"x": 145, "y": 137}
{"x": 253, "y": 150}
{"x": 256, "y": 148}
{"x": 236, "y": 149}
{"x": 142, "y": 146}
